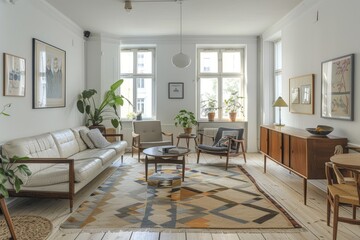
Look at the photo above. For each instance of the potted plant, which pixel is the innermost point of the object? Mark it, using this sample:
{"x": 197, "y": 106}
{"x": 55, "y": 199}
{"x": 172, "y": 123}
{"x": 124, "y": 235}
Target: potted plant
{"x": 9, "y": 174}
{"x": 95, "y": 115}
{"x": 233, "y": 105}
{"x": 185, "y": 119}
{"x": 209, "y": 106}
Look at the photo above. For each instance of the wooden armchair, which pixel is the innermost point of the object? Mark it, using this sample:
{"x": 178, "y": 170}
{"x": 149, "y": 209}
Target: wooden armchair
{"x": 341, "y": 192}
{"x": 148, "y": 134}
{"x": 226, "y": 143}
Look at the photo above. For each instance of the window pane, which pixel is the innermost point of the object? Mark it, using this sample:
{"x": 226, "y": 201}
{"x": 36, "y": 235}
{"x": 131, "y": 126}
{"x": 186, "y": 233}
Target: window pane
{"x": 144, "y": 62}
{"x": 144, "y": 97}
{"x": 126, "y": 62}
{"x": 278, "y": 85}
{"x": 208, "y": 62}
{"x": 208, "y": 88}
{"x": 127, "y": 91}
{"x": 231, "y": 85}
{"x": 231, "y": 62}
{"x": 278, "y": 55}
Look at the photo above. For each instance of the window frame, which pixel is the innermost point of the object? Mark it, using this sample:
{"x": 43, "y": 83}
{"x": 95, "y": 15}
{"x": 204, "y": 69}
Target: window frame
{"x": 134, "y": 76}
{"x": 277, "y": 73}
{"x": 220, "y": 75}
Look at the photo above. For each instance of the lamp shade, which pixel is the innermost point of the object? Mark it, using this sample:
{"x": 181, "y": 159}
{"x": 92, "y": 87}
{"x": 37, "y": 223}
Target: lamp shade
{"x": 181, "y": 60}
{"x": 280, "y": 102}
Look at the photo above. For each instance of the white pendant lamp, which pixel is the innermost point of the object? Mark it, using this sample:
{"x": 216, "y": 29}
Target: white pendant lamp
{"x": 181, "y": 60}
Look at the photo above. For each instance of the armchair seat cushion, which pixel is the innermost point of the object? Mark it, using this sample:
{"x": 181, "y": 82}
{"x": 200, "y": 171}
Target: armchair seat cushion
{"x": 209, "y": 148}
{"x": 154, "y": 144}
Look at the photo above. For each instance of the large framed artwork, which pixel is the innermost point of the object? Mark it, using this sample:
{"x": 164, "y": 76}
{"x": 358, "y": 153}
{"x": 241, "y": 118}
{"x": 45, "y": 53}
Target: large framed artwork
{"x": 14, "y": 76}
{"x": 337, "y": 92}
{"x": 301, "y": 97}
{"x": 49, "y": 75}
{"x": 176, "y": 90}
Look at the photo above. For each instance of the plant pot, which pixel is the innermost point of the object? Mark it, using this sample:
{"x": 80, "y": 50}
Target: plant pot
{"x": 211, "y": 116}
{"x": 187, "y": 130}
{"x": 232, "y": 116}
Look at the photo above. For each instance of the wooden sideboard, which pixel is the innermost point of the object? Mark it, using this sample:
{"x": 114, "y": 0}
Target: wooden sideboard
{"x": 299, "y": 151}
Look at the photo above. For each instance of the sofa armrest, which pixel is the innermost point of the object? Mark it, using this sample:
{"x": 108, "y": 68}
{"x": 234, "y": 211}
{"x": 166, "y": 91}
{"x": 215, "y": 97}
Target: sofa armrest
{"x": 114, "y": 135}
{"x": 168, "y": 134}
{"x": 54, "y": 161}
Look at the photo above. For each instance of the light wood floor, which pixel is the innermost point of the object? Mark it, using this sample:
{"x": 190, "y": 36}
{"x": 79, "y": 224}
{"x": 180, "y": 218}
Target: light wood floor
{"x": 286, "y": 188}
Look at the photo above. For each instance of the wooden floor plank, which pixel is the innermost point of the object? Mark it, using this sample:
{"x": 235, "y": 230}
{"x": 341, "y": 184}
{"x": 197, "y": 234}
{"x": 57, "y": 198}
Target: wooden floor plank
{"x": 172, "y": 236}
{"x": 251, "y": 236}
{"x": 90, "y": 236}
{"x": 198, "y": 236}
{"x": 145, "y": 236}
{"x": 117, "y": 236}
{"x": 225, "y": 236}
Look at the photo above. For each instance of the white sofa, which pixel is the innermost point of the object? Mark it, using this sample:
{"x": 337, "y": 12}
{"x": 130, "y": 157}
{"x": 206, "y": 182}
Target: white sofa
{"x": 60, "y": 162}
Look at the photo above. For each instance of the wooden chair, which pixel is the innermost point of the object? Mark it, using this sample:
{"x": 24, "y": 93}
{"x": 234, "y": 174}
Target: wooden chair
{"x": 148, "y": 134}
{"x": 341, "y": 192}
{"x": 226, "y": 143}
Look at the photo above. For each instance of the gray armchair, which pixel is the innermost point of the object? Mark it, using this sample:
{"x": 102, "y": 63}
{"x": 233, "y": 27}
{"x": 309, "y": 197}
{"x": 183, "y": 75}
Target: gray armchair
{"x": 148, "y": 134}
{"x": 227, "y": 143}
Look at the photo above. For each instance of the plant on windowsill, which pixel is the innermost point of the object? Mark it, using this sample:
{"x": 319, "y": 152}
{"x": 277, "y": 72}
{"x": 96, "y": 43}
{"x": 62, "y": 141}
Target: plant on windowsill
{"x": 209, "y": 107}
{"x": 233, "y": 105}
{"x": 185, "y": 119}
{"x": 9, "y": 175}
{"x": 107, "y": 110}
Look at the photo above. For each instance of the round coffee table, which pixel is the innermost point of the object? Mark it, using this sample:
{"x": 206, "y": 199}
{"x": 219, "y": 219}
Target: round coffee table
{"x": 165, "y": 157}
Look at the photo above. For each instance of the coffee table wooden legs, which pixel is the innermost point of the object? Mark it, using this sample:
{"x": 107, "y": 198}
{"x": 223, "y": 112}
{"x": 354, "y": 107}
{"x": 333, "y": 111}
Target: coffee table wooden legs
{"x": 157, "y": 160}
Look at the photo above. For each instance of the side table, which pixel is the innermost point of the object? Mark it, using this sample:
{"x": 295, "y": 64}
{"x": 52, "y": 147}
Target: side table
{"x": 187, "y": 138}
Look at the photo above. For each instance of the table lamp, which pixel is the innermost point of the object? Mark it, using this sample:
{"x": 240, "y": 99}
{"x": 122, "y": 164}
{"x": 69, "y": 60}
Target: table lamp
{"x": 280, "y": 103}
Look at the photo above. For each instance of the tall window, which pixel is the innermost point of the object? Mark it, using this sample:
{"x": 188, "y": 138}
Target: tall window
{"x": 220, "y": 73}
{"x": 137, "y": 69}
{"x": 277, "y": 72}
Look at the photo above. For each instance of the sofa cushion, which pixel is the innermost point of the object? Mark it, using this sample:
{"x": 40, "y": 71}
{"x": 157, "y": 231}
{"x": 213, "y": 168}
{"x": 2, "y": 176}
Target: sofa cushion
{"x": 82, "y": 144}
{"x": 85, "y": 138}
{"x": 119, "y": 147}
{"x": 66, "y": 142}
{"x": 97, "y": 138}
{"x": 105, "y": 155}
{"x": 59, "y": 173}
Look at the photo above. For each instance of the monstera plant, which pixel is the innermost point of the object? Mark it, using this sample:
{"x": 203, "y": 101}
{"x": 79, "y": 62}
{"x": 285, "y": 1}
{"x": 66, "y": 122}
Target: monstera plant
{"x": 107, "y": 110}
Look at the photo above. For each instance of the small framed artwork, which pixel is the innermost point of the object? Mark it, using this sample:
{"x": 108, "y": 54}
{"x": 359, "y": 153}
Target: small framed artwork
{"x": 14, "y": 75}
{"x": 176, "y": 90}
{"x": 49, "y": 75}
{"x": 302, "y": 94}
{"x": 337, "y": 91}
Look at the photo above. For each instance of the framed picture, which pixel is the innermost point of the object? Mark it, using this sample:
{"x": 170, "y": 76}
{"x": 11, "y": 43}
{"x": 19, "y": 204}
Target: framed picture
{"x": 302, "y": 94}
{"x": 337, "y": 93}
{"x": 14, "y": 75}
{"x": 49, "y": 75}
{"x": 176, "y": 90}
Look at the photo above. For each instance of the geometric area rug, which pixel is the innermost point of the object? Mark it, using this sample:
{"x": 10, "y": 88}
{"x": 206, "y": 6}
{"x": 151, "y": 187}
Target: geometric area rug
{"x": 209, "y": 198}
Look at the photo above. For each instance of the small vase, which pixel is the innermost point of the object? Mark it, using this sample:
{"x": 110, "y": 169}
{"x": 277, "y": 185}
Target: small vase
{"x": 232, "y": 116}
{"x": 211, "y": 116}
{"x": 188, "y": 131}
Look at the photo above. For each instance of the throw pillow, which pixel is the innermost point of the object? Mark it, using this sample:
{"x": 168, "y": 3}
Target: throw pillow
{"x": 97, "y": 138}
{"x": 223, "y": 142}
{"x": 83, "y": 134}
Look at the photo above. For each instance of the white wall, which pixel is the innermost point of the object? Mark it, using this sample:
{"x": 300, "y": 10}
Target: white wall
{"x": 166, "y": 47}
{"x": 20, "y": 23}
{"x": 307, "y": 42}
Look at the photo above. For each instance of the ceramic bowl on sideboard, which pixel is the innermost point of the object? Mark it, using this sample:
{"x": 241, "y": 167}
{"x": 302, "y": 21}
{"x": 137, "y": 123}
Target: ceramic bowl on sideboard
{"x": 320, "y": 130}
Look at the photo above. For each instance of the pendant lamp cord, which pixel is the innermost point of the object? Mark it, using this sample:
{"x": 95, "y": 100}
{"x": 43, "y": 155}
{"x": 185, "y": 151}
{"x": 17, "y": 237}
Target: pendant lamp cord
{"x": 181, "y": 26}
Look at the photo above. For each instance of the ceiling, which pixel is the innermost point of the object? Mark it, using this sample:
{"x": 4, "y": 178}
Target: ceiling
{"x": 159, "y": 18}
